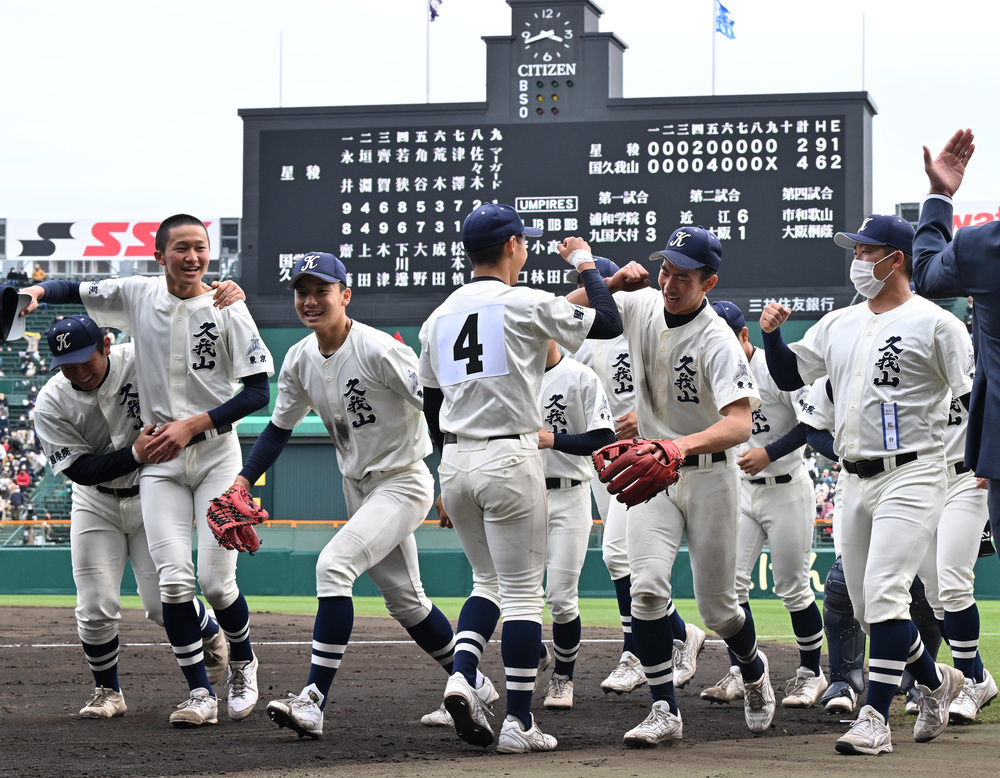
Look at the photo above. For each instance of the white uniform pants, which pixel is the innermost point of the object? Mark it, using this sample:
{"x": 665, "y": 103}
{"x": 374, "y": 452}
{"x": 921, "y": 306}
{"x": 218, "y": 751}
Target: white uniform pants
{"x": 947, "y": 570}
{"x": 570, "y": 524}
{"x": 494, "y": 492}
{"x": 885, "y": 526}
{"x": 783, "y": 515}
{"x": 385, "y": 509}
{"x": 175, "y": 495}
{"x": 704, "y": 505}
{"x": 104, "y": 532}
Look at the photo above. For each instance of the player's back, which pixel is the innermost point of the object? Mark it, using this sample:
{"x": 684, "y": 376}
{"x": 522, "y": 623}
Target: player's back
{"x": 485, "y": 346}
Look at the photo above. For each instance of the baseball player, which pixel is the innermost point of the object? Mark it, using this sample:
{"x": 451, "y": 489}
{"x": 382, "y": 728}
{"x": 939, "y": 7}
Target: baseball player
{"x": 189, "y": 355}
{"x": 778, "y": 505}
{"x": 891, "y": 362}
{"x": 947, "y": 571}
{"x": 576, "y": 421}
{"x": 482, "y": 358}
{"x": 696, "y": 389}
{"x": 89, "y": 425}
{"x": 363, "y": 384}
{"x": 611, "y": 361}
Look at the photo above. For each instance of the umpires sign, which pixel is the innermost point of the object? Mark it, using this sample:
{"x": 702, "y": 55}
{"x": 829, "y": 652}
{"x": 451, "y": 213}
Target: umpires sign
{"x": 386, "y": 188}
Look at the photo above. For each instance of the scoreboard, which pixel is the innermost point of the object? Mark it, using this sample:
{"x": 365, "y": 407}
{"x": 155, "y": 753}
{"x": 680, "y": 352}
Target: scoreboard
{"x": 386, "y": 188}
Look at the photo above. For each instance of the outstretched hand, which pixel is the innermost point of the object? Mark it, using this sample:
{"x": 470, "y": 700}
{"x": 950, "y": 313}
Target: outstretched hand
{"x": 948, "y": 169}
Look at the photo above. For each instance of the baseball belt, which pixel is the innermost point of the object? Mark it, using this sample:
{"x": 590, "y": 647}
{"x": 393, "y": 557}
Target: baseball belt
{"x": 451, "y": 437}
{"x": 205, "y": 435}
{"x": 561, "y": 483}
{"x": 692, "y": 459}
{"x": 121, "y": 494}
{"x": 778, "y": 479}
{"x": 867, "y": 468}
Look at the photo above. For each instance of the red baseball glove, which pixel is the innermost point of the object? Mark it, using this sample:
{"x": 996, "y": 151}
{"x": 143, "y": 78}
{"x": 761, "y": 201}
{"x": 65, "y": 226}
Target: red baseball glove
{"x": 633, "y": 477}
{"x": 231, "y": 517}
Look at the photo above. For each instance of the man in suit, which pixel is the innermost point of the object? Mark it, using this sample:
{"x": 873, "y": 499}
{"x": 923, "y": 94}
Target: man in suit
{"x": 966, "y": 266}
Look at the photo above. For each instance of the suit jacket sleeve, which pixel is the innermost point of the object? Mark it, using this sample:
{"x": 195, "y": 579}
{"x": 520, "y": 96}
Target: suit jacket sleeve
{"x": 936, "y": 267}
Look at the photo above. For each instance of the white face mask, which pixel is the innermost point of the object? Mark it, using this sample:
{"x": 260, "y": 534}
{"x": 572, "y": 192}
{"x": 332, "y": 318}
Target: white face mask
{"x": 863, "y": 277}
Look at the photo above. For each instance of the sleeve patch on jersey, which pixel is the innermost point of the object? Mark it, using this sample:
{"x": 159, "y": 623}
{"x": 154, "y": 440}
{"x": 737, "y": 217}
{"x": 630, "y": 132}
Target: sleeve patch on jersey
{"x": 743, "y": 378}
{"x": 415, "y": 389}
{"x": 58, "y": 455}
{"x": 578, "y": 313}
{"x": 94, "y": 288}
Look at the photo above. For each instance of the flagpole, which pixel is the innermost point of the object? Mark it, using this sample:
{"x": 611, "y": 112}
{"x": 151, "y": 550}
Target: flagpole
{"x": 862, "y": 51}
{"x": 427, "y": 26}
{"x": 714, "y": 15}
{"x": 281, "y": 64}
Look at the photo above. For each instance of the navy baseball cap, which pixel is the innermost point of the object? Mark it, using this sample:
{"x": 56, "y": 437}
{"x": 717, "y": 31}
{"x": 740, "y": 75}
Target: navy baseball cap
{"x": 319, "y": 264}
{"x": 732, "y": 315}
{"x": 878, "y": 230}
{"x": 605, "y": 267}
{"x": 72, "y": 340}
{"x": 691, "y": 247}
{"x": 493, "y": 223}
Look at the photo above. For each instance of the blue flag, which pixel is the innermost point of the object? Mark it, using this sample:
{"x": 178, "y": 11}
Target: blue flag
{"x": 723, "y": 22}
{"x": 435, "y": 8}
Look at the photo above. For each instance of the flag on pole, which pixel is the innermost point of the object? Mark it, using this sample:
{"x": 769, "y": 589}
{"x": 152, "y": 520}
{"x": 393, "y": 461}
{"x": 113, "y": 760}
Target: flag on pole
{"x": 723, "y": 22}
{"x": 435, "y": 8}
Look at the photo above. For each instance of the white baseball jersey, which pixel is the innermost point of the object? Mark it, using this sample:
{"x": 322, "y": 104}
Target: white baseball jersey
{"x": 189, "y": 354}
{"x": 71, "y": 423}
{"x": 816, "y": 409}
{"x": 611, "y": 361}
{"x": 367, "y": 395}
{"x": 773, "y": 419}
{"x": 887, "y": 370}
{"x": 684, "y": 375}
{"x": 488, "y": 339}
{"x": 572, "y": 401}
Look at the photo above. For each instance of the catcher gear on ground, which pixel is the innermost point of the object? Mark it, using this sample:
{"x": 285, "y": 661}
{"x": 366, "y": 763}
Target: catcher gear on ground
{"x": 633, "y": 477}
{"x": 231, "y": 517}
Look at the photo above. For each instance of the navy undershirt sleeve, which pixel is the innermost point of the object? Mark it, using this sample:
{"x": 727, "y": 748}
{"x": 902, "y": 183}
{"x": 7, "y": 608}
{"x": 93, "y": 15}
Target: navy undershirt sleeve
{"x": 781, "y": 362}
{"x": 787, "y": 443}
{"x": 608, "y": 322}
{"x": 265, "y": 452}
{"x": 61, "y": 292}
{"x": 822, "y": 441}
{"x": 433, "y": 398}
{"x": 255, "y": 395}
{"x": 583, "y": 444}
{"x": 93, "y": 469}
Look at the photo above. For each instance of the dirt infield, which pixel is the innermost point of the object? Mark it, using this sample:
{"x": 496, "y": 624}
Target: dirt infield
{"x": 372, "y": 721}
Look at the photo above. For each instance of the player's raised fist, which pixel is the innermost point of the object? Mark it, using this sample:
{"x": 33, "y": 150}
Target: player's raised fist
{"x": 773, "y": 316}
{"x": 631, "y": 277}
{"x": 571, "y": 244}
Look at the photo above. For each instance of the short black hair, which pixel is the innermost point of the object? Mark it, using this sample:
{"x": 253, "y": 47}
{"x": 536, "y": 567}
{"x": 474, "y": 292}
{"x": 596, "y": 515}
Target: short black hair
{"x": 707, "y": 272}
{"x": 490, "y": 255}
{"x": 177, "y": 220}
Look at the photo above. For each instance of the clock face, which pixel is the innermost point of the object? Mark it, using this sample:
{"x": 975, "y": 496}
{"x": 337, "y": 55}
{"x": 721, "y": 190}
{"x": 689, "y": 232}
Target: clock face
{"x": 547, "y": 36}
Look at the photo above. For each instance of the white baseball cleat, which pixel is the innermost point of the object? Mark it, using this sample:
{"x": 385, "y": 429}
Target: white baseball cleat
{"x": 686, "y": 652}
{"x": 242, "y": 688}
{"x": 559, "y": 695}
{"x": 299, "y": 712}
{"x": 514, "y": 740}
{"x": 486, "y": 692}
{"x": 972, "y": 699}
{"x": 659, "y": 726}
{"x": 804, "y": 689}
{"x": 468, "y": 714}
{"x": 726, "y": 690}
{"x": 202, "y": 707}
{"x": 216, "y": 651}
{"x": 626, "y": 677}
{"x": 933, "y": 716}
{"x": 839, "y": 699}
{"x": 758, "y": 700}
{"x": 868, "y": 735}
{"x": 104, "y": 704}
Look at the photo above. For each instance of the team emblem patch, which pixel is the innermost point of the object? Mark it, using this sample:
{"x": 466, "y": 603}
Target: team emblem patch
{"x": 743, "y": 378}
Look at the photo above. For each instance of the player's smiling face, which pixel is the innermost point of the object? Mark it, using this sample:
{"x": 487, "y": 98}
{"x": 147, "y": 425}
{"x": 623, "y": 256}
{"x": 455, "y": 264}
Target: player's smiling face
{"x": 185, "y": 260}
{"x": 321, "y": 305}
{"x": 88, "y": 374}
{"x": 682, "y": 289}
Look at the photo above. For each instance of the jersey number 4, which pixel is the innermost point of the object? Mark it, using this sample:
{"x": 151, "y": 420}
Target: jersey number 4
{"x": 470, "y": 345}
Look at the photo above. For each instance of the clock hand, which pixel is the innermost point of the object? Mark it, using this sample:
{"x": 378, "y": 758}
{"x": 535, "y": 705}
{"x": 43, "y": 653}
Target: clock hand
{"x": 542, "y": 34}
{"x": 551, "y": 34}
